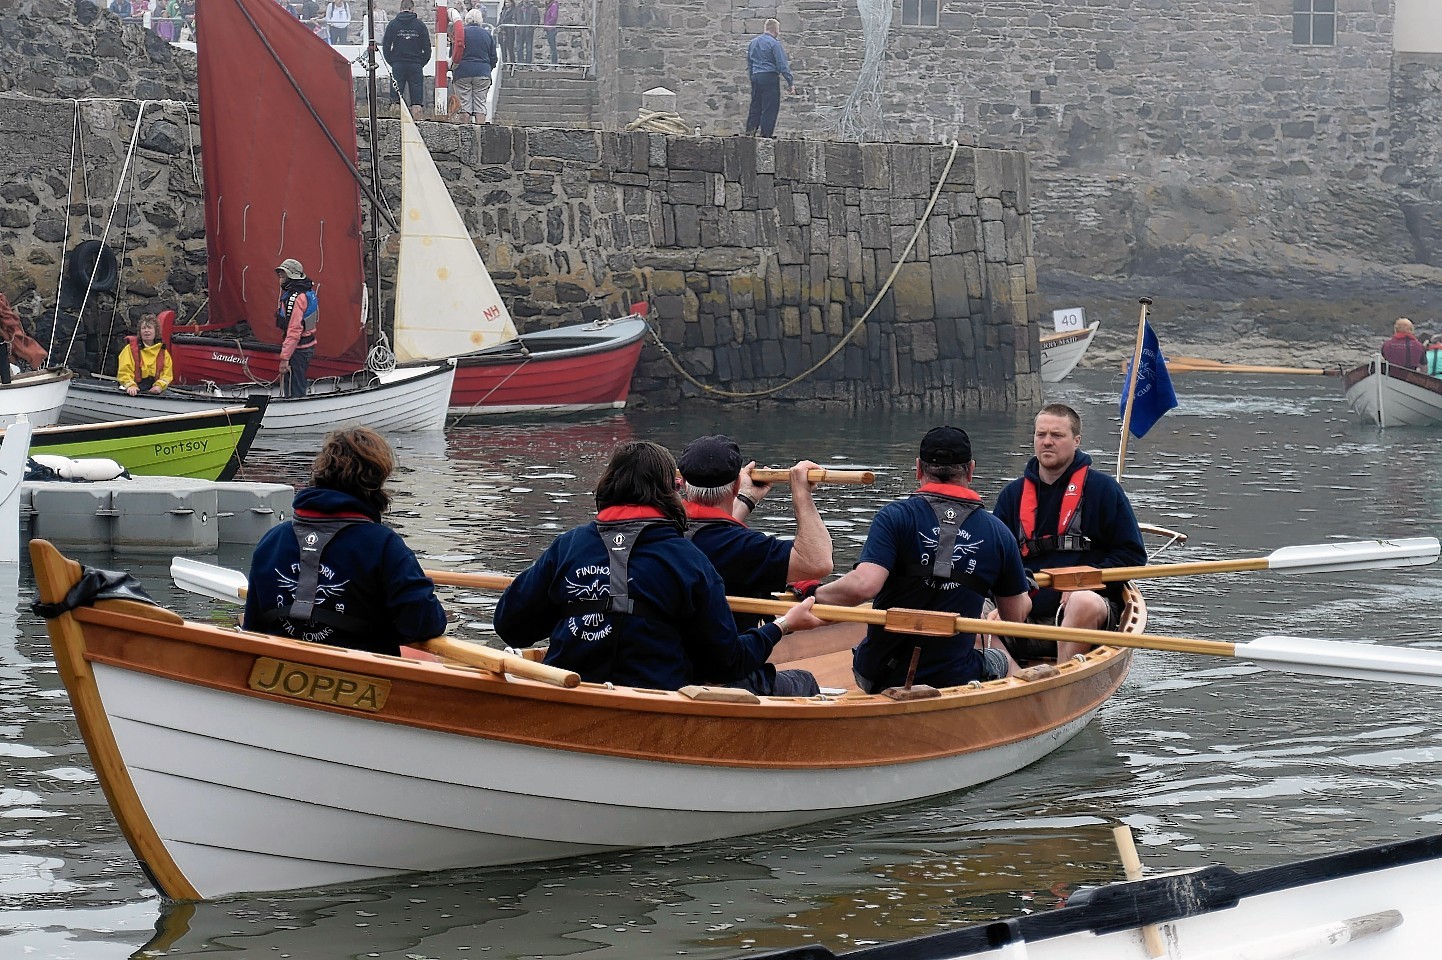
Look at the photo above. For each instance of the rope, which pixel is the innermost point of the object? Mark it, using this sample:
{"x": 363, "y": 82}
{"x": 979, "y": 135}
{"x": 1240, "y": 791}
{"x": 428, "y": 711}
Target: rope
{"x": 658, "y": 121}
{"x": 855, "y": 327}
{"x": 114, "y": 204}
{"x": 75, "y": 143}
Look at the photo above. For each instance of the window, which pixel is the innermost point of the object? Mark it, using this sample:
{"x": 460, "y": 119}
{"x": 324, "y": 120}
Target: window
{"x": 927, "y": 13}
{"x": 1314, "y": 23}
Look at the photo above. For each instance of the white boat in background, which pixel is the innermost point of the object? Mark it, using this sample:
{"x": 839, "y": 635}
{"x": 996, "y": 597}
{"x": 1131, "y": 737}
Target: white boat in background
{"x": 1392, "y": 396}
{"x": 401, "y": 400}
{"x": 1378, "y": 903}
{"x": 1060, "y": 352}
{"x": 40, "y": 395}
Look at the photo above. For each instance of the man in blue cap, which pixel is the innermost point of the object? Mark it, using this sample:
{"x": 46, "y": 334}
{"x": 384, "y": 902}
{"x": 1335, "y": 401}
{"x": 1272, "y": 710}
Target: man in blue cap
{"x": 938, "y": 549}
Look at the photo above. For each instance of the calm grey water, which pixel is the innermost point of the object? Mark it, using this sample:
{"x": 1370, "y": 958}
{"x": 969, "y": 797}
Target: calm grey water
{"x": 1208, "y": 760}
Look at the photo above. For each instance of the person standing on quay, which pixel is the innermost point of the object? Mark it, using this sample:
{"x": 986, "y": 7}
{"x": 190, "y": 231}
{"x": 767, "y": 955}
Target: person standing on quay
{"x": 766, "y": 63}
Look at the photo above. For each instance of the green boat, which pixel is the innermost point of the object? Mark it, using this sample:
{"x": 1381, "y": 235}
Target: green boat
{"x": 209, "y": 445}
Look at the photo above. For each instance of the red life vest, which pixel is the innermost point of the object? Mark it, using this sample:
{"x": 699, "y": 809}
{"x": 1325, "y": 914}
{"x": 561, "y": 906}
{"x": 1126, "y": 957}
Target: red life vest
{"x": 701, "y": 515}
{"x": 1068, "y": 517}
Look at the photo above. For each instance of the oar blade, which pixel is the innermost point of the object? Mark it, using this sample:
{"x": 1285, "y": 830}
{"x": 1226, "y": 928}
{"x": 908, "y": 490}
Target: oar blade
{"x": 1355, "y": 661}
{"x": 1356, "y": 555}
{"x": 208, "y": 580}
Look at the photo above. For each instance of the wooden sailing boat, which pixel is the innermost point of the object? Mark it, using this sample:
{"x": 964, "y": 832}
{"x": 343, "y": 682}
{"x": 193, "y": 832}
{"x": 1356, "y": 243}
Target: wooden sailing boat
{"x": 446, "y": 303}
{"x": 278, "y": 124}
{"x": 448, "y": 306}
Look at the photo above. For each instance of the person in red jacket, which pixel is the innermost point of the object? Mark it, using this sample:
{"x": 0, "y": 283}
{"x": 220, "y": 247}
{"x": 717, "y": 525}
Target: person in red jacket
{"x": 1404, "y": 349}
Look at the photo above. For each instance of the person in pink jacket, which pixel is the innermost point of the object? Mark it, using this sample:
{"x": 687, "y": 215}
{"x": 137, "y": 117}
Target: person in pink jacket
{"x": 297, "y": 313}
{"x": 551, "y": 18}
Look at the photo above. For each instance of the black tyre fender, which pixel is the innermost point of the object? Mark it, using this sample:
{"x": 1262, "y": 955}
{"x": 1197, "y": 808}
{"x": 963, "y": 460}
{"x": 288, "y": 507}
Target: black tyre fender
{"x": 92, "y": 263}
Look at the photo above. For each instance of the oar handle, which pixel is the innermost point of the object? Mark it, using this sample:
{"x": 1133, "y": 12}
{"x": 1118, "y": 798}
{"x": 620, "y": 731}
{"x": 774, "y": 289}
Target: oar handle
{"x": 476, "y": 581}
{"x": 815, "y": 475}
{"x": 497, "y": 661}
{"x": 1089, "y": 578}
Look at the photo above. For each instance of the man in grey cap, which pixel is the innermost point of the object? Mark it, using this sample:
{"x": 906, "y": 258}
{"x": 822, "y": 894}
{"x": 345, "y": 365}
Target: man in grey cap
{"x": 720, "y": 495}
{"x": 938, "y": 549}
{"x": 297, "y": 314}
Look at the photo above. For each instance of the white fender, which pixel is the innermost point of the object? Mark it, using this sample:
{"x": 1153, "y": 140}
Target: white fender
{"x": 95, "y": 468}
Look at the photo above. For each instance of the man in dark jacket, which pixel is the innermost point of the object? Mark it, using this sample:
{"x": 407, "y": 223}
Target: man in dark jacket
{"x": 1065, "y": 514}
{"x": 407, "y": 48}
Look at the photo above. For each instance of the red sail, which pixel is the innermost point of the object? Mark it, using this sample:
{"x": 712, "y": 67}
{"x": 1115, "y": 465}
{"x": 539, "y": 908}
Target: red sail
{"x": 277, "y": 121}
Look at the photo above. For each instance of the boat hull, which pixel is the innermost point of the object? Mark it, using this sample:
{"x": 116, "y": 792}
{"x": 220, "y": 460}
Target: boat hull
{"x": 235, "y": 765}
{"x": 209, "y": 445}
{"x": 569, "y": 369}
{"x": 203, "y": 360}
{"x": 406, "y": 399}
{"x": 1371, "y": 904}
{"x": 1061, "y": 352}
{"x": 39, "y": 395}
{"x": 1392, "y": 396}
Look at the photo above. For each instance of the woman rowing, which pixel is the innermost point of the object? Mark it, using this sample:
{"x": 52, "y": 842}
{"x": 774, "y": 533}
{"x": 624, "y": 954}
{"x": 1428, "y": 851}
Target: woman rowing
{"x": 627, "y": 599}
{"x": 335, "y": 573}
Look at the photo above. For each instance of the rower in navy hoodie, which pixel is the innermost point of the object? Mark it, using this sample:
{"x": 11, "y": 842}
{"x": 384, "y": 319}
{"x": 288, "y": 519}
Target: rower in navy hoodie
{"x": 335, "y": 573}
{"x": 627, "y": 599}
{"x": 936, "y": 550}
{"x": 1066, "y": 514}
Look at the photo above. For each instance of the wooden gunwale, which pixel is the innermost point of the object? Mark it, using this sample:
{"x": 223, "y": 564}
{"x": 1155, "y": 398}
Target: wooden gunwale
{"x": 663, "y": 726}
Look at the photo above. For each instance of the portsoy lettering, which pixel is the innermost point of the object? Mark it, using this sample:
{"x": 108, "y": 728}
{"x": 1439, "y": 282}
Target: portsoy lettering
{"x": 181, "y": 446}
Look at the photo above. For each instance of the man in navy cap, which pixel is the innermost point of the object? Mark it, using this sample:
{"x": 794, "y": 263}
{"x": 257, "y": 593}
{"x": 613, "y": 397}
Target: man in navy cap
{"x": 720, "y": 495}
{"x": 938, "y": 549}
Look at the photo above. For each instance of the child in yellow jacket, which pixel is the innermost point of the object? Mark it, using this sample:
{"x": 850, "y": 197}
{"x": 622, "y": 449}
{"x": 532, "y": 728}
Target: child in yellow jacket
{"x": 146, "y": 355}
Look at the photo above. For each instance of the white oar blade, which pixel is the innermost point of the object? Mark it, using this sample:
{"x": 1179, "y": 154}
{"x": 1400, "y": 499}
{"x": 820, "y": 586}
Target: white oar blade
{"x": 1359, "y": 555}
{"x": 1357, "y": 661}
{"x": 208, "y": 580}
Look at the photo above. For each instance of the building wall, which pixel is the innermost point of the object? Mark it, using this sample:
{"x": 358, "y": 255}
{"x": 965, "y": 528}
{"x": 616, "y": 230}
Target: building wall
{"x": 1419, "y": 26}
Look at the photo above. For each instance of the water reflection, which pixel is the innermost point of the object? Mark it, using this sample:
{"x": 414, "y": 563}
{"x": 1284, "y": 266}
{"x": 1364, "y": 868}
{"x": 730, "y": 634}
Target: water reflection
{"x": 1206, "y": 759}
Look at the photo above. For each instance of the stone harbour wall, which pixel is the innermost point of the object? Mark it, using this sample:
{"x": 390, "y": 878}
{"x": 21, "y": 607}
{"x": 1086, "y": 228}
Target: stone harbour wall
{"x": 757, "y": 256}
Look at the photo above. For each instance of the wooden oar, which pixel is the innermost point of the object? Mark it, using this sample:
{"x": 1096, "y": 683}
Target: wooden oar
{"x": 817, "y": 475}
{"x": 222, "y": 583}
{"x": 1312, "y": 558}
{"x": 1329, "y": 658}
{"x": 1201, "y": 365}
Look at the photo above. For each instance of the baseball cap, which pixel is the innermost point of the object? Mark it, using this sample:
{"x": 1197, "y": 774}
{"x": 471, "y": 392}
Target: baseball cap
{"x": 712, "y": 461}
{"x": 946, "y": 446}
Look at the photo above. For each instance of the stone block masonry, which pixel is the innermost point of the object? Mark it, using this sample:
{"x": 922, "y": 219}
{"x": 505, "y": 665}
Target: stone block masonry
{"x": 757, "y": 255}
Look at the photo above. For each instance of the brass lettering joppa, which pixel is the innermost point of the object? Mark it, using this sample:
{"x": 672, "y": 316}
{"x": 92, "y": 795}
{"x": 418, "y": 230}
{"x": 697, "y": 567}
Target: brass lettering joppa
{"x": 305, "y": 682}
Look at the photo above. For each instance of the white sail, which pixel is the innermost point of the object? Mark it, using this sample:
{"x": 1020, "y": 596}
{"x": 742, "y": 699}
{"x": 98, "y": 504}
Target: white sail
{"x": 446, "y": 303}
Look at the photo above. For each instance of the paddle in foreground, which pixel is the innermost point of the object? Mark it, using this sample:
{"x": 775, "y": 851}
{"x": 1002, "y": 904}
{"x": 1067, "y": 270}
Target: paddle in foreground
{"x": 1374, "y": 904}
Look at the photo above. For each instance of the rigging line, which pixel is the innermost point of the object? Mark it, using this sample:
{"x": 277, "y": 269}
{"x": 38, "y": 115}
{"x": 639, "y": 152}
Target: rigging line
{"x": 190, "y": 143}
{"x": 22, "y": 95}
{"x": 120, "y": 184}
{"x": 896, "y": 269}
{"x": 124, "y": 243}
{"x": 504, "y": 381}
{"x": 305, "y": 101}
{"x": 65, "y": 232}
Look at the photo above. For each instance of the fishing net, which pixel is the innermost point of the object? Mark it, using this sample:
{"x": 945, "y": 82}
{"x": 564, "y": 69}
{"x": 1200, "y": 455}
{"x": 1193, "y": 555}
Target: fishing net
{"x": 859, "y": 118}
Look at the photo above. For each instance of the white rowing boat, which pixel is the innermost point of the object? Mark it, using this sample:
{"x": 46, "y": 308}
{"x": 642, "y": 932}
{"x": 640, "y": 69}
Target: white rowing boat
{"x": 1061, "y": 352}
{"x": 240, "y": 762}
{"x": 1393, "y": 396}
{"x": 1371, "y": 904}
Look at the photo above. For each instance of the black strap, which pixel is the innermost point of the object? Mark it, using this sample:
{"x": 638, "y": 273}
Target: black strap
{"x": 1051, "y": 542}
{"x": 312, "y": 537}
{"x": 619, "y": 540}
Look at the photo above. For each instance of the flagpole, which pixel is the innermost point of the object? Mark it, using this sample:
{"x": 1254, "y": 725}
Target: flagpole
{"x": 1132, "y": 386}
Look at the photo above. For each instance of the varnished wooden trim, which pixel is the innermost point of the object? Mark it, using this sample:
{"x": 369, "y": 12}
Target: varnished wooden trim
{"x": 55, "y": 575}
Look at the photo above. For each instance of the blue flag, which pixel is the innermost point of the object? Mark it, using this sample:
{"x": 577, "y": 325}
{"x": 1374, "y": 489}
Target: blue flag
{"x": 1155, "y": 395}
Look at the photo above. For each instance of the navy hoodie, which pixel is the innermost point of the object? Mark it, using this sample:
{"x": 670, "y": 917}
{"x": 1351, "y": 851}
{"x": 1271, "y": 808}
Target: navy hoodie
{"x": 686, "y": 635}
{"x": 1106, "y": 520}
{"x": 367, "y": 572}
